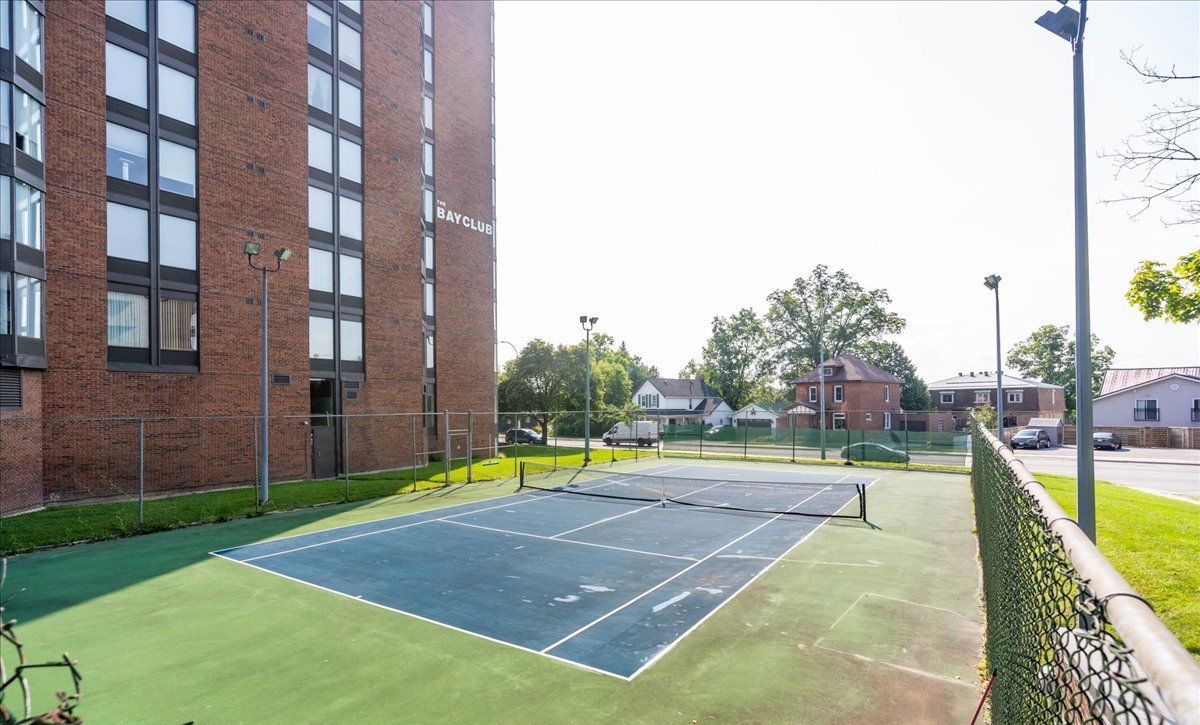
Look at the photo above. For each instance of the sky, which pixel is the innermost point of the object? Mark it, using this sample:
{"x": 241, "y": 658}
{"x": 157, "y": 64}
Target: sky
{"x": 661, "y": 164}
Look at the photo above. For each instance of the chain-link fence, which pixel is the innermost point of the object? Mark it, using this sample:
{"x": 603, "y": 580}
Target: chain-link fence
{"x": 1068, "y": 640}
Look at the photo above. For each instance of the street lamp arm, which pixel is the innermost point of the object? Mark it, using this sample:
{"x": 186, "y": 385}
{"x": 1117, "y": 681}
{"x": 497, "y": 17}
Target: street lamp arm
{"x": 263, "y": 268}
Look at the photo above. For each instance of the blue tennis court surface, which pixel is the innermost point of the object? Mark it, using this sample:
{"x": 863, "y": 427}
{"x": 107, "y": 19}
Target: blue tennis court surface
{"x": 607, "y": 583}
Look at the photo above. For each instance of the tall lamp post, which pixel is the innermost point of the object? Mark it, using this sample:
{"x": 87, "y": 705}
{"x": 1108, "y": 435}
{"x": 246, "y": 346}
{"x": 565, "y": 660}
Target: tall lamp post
{"x": 1068, "y": 25}
{"x": 992, "y": 282}
{"x": 281, "y": 255}
{"x": 587, "y": 323}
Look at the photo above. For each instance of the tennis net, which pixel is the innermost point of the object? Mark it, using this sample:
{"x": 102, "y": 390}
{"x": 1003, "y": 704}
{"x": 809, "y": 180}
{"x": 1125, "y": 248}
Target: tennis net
{"x": 804, "y": 498}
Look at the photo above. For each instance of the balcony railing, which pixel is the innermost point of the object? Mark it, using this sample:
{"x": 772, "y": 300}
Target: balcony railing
{"x": 1145, "y": 413}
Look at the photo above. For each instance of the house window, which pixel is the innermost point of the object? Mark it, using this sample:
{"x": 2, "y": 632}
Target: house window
{"x": 1196, "y": 410}
{"x": 887, "y": 394}
{"x": 1014, "y": 396}
{"x": 812, "y": 393}
{"x": 983, "y": 396}
{"x": 1145, "y": 409}
{"x": 838, "y": 394}
{"x": 827, "y": 371}
{"x": 887, "y": 421}
{"x": 868, "y": 417}
{"x": 1052, "y": 394}
{"x": 947, "y": 398}
{"x": 839, "y": 421}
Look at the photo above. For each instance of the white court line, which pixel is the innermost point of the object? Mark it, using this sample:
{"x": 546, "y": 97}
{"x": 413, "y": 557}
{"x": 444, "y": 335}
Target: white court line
{"x": 415, "y": 523}
{"x": 404, "y": 516}
{"x": 565, "y": 541}
{"x": 675, "y": 576}
{"x": 911, "y": 670}
{"x": 354, "y": 598}
{"x": 793, "y": 561}
{"x": 627, "y": 513}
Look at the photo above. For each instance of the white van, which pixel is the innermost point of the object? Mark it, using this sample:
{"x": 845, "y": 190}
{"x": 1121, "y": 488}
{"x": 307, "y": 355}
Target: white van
{"x": 642, "y": 432}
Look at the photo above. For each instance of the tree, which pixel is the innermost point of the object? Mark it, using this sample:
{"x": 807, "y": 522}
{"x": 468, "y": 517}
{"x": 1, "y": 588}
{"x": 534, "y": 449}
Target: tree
{"x": 914, "y": 395}
{"x": 692, "y": 370}
{"x": 829, "y": 305}
{"x": 1049, "y": 355}
{"x": 737, "y": 361}
{"x": 1172, "y": 294}
{"x": 1163, "y": 154}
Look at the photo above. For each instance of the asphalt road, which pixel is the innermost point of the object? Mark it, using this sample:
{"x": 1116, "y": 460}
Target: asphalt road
{"x": 1160, "y": 470}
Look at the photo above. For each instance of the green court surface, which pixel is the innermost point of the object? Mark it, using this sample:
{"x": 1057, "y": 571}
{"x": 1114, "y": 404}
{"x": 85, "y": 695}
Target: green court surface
{"x": 853, "y": 623}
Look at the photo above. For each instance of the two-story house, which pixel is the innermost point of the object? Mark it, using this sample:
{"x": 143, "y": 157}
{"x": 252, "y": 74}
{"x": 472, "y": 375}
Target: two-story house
{"x": 681, "y": 401}
{"x": 858, "y": 395}
{"x": 1023, "y": 399}
{"x": 1149, "y": 397}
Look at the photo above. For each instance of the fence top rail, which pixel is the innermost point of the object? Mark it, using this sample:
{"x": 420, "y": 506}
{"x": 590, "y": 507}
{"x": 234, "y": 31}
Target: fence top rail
{"x": 1164, "y": 659}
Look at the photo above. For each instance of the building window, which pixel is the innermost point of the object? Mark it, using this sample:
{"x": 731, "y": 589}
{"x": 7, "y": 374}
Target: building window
{"x": 828, "y": 371}
{"x": 128, "y": 232}
{"x": 947, "y": 398}
{"x": 427, "y": 66}
{"x": 983, "y": 396}
{"x": 838, "y": 394}
{"x": 177, "y": 24}
{"x": 1052, "y": 395}
{"x": 176, "y": 168}
{"x": 320, "y": 338}
{"x": 320, "y": 149}
{"x": 128, "y": 320}
{"x": 320, "y": 270}
{"x": 427, "y": 111}
{"x": 176, "y": 95}
{"x": 28, "y": 306}
{"x": 1014, "y": 396}
{"x": 352, "y": 340}
{"x": 320, "y": 89}
{"x": 427, "y": 158}
{"x": 349, "y": 103}
{"x": 427, "y": 19}
{"x": 429, "y": 350}
{"x": 28, "y": 217}
{"x": 350, "y": 275}
{"x": 5, "y": 304}
{"x": 349, "y": 160}
{"x": 812, "y": 393}
{"x": 1196, "y": 410}
{"x": 177, "y": 324}
{"x": 320, "y": 30}
{"x": 428, "y": 297}
{"x": 887, "y": 420}
{"x": 125, "y": 75}
{"x": 320, "y": 210}
{"x": 427, "y": 204}
{"x": 27, "y": 34}
{"x": 839, "y": 421}
{"x": 27, "y": 124}
{"x": 130, "y": 12}
{"x": 349, "y": 46}
{"x": 127, "y": 154}
{"x": 176, "y": 243}
{"x": 1145, "y": 409}
{"x": 428, "y": 255}
{"x": 868, "y": 417}
{"x": 350, "y": 217}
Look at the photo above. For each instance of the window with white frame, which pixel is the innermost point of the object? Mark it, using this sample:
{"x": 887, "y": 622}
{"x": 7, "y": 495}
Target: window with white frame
{"x": 1014, "y": 396}
{"x": 887, "y": 421}
{"x": 812, "y": 393}
{"x": 983, "y": 396}
{"x": 947, "y": 398}
{"x": 838, "y": 394}
{"x": 887, "y": 394}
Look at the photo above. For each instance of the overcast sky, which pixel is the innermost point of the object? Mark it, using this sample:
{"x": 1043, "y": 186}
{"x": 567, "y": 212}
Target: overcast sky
{"x": 659, "y": 164}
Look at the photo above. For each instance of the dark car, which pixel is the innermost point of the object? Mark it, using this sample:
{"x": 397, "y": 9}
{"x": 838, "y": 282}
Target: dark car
{"x": 1106, "y": 441}
{"x": 1031, "y": 438}
{"x": 523, "y": 435}
{"x": 873, "y": 452}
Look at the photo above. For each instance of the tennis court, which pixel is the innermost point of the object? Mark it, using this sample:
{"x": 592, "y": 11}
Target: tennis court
{"x": 606, "y": 570}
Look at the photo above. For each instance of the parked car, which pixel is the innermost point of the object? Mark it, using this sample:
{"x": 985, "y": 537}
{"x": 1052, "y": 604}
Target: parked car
{"x": 1106, "y": 441}
{"x": 873, "y": 452}
{"x": 523, "y": 435}
{"x": 1034, "y": 438}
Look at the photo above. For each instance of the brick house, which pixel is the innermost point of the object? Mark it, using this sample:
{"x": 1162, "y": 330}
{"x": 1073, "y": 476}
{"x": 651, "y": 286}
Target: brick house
{"x": 1023, "y": 399}
{"x": 858, "y": 394}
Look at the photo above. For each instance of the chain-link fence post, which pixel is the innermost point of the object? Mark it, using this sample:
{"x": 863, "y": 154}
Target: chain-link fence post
{"x": 745, "y": 439}
{"x": 446, "y": 446}
{"x": 346, "y": 455}
{"x": 470, "y": 443}
{"x": 907, "y": 453}
{"x": 547, "y": 426}
{"x": 414, "y": 451}
{"x": 792, "y": 421}
{"x": 141, "y": 470}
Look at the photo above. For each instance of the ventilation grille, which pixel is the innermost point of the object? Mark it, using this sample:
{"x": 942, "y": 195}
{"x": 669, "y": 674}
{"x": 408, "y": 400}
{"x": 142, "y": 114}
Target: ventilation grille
{"x": 10, "y": 388}
{"x": 280, "y": 379}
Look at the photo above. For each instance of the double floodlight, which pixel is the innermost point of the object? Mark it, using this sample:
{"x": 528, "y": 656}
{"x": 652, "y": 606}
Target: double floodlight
{"x": 587, "y": 321}
{"x": 1064, "y": 23}
{"x": 992, "y": 281}
{"x": 282, "y": 254}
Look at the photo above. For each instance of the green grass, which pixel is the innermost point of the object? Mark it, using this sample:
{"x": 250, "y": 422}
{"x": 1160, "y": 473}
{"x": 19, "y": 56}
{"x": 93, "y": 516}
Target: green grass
{"x": 93, "y": 522}
{"x": 1154, "y": 541}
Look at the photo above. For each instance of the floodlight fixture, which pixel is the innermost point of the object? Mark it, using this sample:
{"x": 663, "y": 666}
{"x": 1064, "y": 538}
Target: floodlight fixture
{"x": 992, "y": 281}
{"x": 1064, "y": 23}
{"x": 252, "y": 248}
{"x": 283, "y": 254}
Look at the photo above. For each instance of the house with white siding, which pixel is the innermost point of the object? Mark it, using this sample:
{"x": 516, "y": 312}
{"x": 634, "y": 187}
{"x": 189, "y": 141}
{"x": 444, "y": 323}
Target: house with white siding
{"x": 681, "y": 401}
{"x": 1149, "y": 397}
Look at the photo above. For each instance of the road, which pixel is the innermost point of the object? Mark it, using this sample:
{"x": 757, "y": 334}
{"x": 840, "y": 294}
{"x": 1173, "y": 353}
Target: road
{"x": 1159, "y": 470}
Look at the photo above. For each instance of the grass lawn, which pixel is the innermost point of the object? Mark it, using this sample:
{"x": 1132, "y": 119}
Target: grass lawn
{"x": 93, "y": 522}
{"x": 1154, "y": 541}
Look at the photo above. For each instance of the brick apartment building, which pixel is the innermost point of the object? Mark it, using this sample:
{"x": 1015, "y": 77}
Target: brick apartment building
{"x": 1023, "y": 399}
{"x": 359, "y": 135}
{"x": 858, "y": 395}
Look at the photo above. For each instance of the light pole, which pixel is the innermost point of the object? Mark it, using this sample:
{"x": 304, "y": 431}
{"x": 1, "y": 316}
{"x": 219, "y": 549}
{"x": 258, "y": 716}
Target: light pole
{"x": 587, "y": 323}
{"x": 281, "y": 255}
{"x": 1068, "y": 25}
{"x": 992, "y": 282}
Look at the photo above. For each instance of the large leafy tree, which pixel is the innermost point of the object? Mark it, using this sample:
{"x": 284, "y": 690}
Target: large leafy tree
{"x": 1049, "y": 355}
{"x": 737, "y": 361}
{"x": 829, "y": 305}
{"x": 1171, "y": 294}
{"x": 914, "y": 395}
